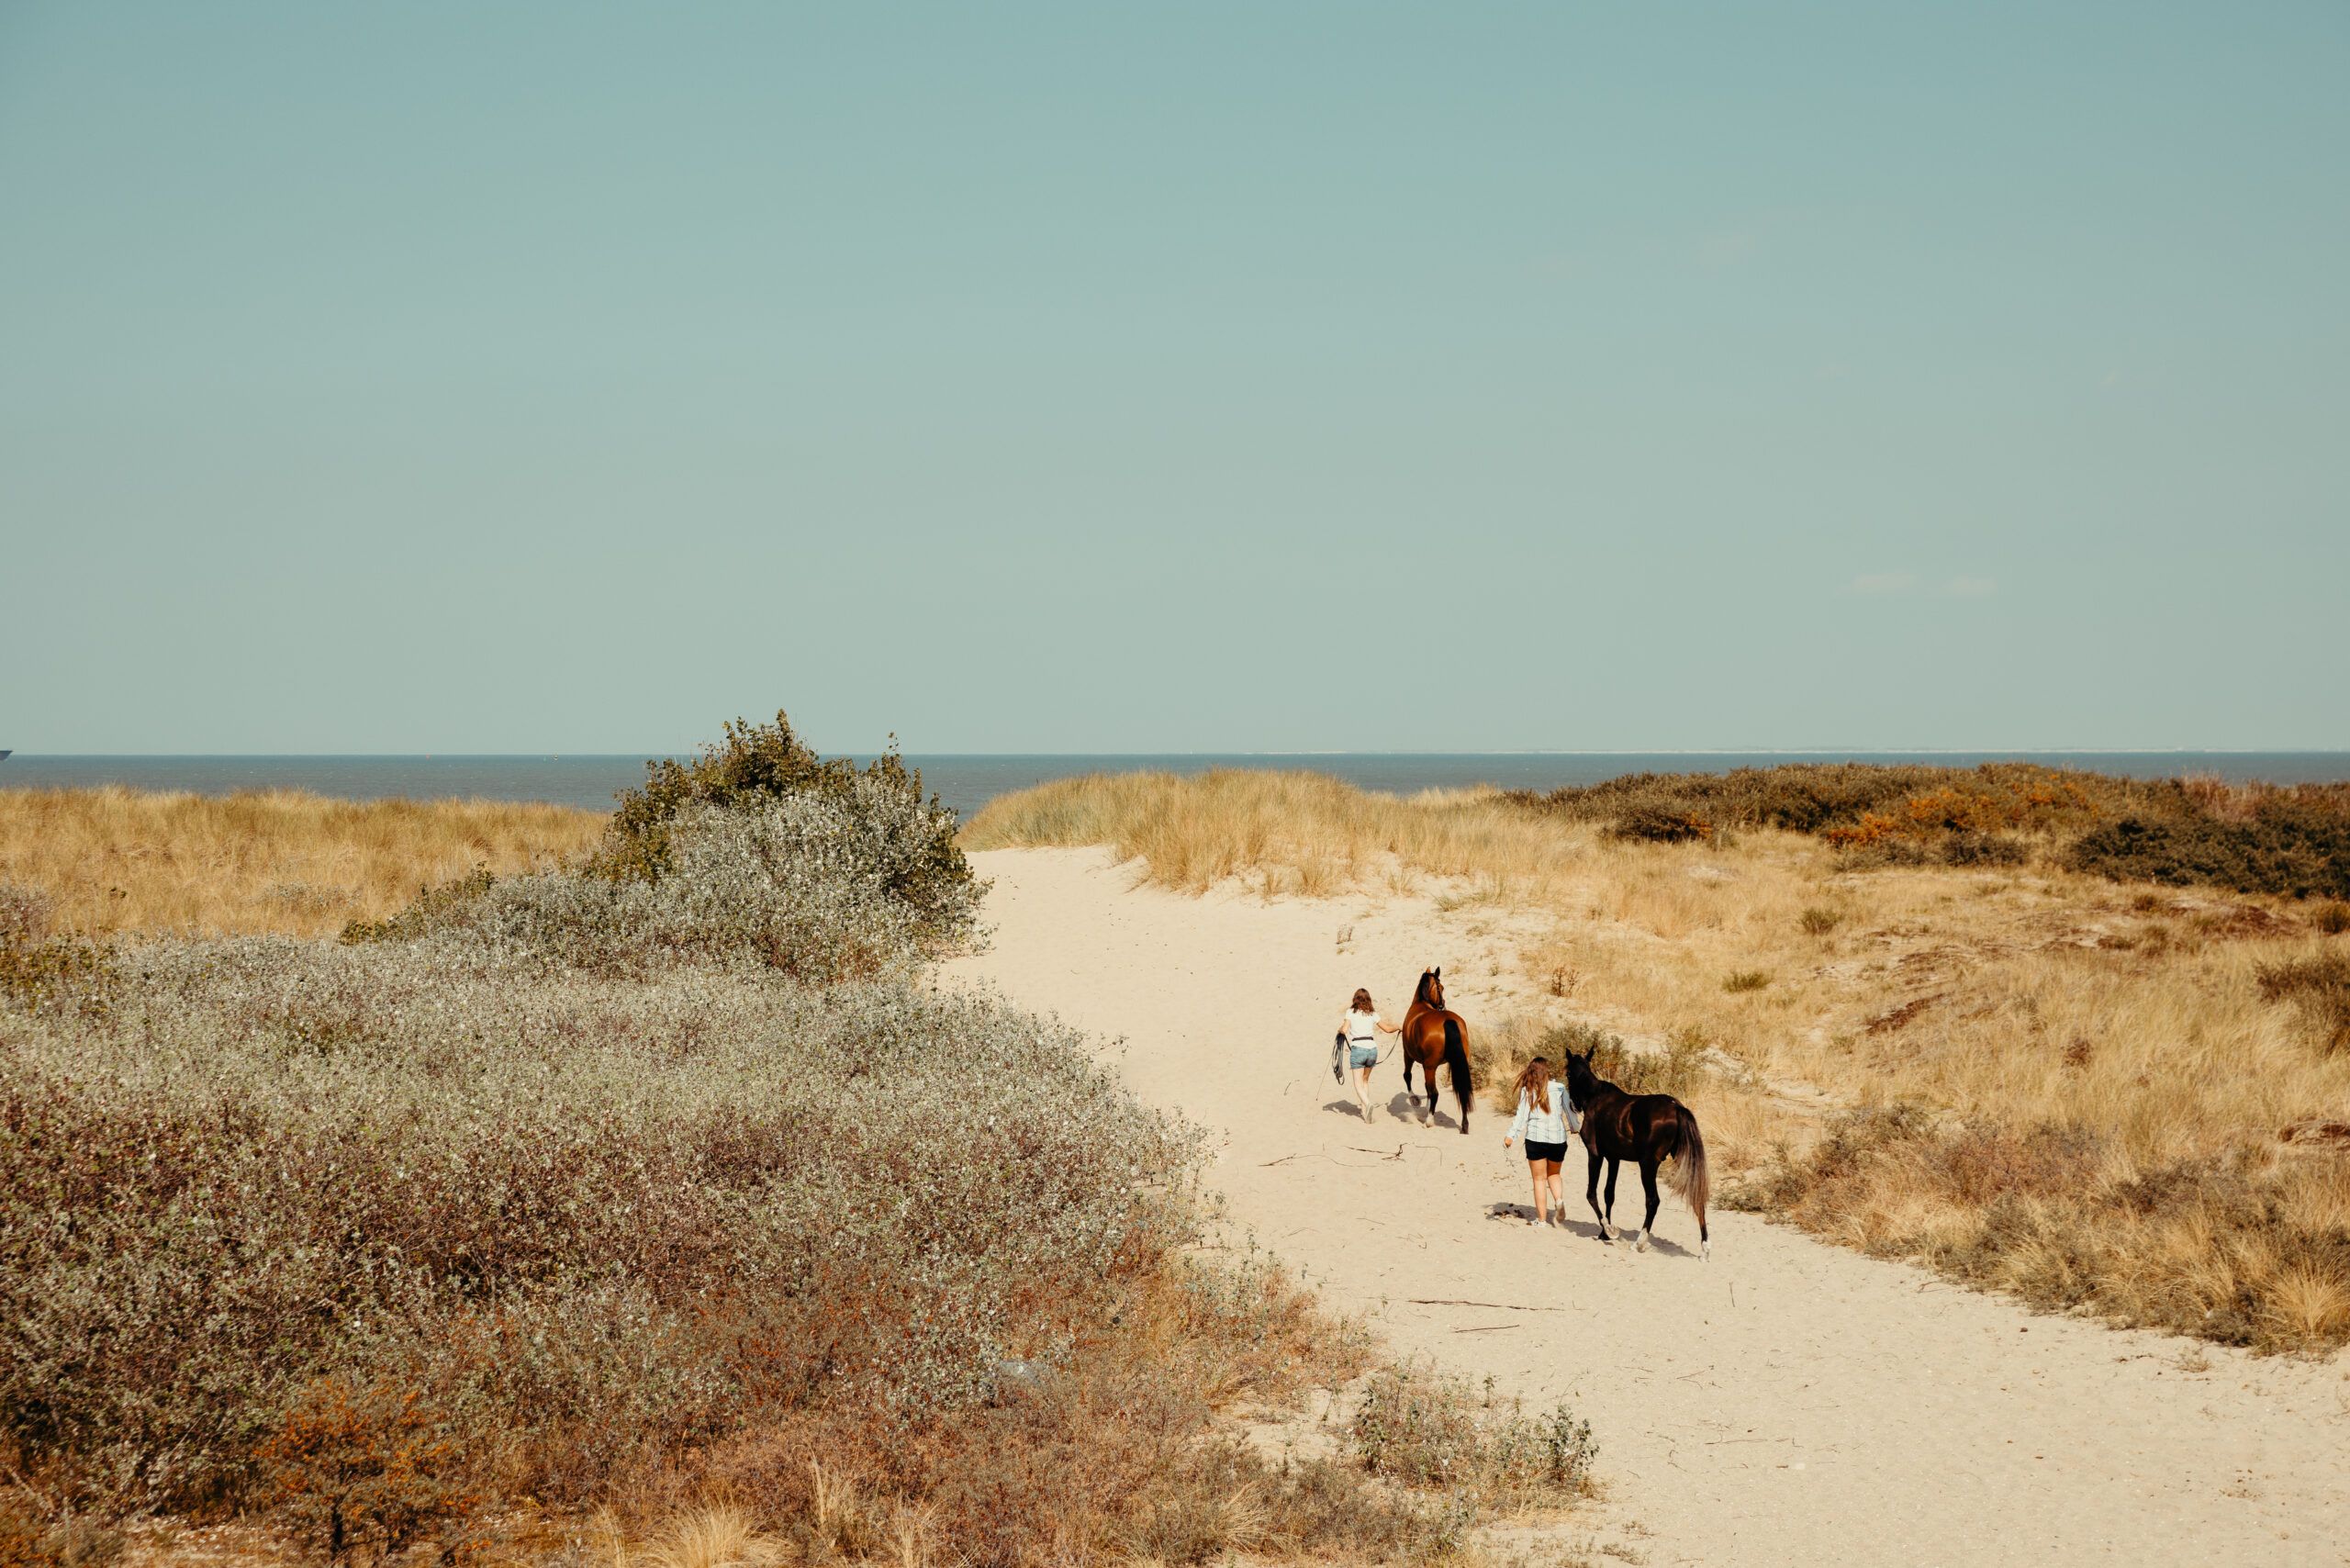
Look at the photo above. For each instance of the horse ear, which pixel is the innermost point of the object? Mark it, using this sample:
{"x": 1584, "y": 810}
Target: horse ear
{"x": 1438, "y": 971}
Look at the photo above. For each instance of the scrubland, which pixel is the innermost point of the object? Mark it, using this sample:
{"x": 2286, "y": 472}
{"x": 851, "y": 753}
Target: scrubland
{"x": 657, "y": 1207}
{"x": 1932, "y": 1016}
{"x": 265, "y": 863}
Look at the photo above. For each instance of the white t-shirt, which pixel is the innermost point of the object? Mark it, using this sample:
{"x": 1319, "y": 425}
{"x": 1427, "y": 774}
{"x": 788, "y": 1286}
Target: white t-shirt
{"x": 1362, "y": 1027}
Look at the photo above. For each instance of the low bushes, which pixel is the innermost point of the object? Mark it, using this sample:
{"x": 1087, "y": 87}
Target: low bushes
{"x": 575, "y": 1218}
{"x": 810, "y": 885}
{"x": 1497, "y": 1055}
{"x": 2289, "y": 845}
{"x": 2050, "y": 1214}
{"x": 1425, "y": 1429}
{"x": 1857, "y": 799}
{"x": 2251, "y": 838}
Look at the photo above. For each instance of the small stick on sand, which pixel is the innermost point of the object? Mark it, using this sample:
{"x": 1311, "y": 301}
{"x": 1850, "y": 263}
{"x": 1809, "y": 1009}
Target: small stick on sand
{"x": 1496, "y": 1305}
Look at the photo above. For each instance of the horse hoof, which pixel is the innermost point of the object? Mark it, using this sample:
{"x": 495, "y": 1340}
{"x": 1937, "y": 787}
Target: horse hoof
{"x": 1704, "y": 1252}
{"x": 1643, "y": 1244}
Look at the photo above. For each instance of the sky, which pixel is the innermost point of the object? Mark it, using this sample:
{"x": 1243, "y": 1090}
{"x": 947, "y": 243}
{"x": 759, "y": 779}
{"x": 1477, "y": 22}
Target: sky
{"x": 1143, "y": 378}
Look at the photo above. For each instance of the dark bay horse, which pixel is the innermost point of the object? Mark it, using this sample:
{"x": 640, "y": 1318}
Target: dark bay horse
{"x": 1651, "y": 1128}
{"x": 1431, "y": 1035}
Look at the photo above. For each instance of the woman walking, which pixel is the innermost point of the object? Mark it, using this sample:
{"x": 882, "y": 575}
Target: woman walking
{"x": 1545, "y": 1117}
{"x": 1362, "y": 1026}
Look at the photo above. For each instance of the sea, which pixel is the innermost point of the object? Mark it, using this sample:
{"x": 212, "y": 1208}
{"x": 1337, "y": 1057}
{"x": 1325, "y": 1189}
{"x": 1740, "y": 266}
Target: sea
{"x": 969, "y": 782}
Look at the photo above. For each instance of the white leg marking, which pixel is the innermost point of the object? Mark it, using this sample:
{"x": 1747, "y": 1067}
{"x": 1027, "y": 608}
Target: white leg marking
{"x": 1643, "y": 1244}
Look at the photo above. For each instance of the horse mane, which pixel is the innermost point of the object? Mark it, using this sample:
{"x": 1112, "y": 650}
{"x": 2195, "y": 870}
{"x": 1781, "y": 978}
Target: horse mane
{"x": 1581, "y": 1066}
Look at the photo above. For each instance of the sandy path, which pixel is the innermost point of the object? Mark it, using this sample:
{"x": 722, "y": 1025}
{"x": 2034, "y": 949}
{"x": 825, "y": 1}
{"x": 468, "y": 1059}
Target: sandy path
{"x": 1787, "y": 1403}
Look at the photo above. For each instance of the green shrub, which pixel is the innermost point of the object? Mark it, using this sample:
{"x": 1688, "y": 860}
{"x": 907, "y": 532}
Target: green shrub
{"x": 2289, "y": 847}
{"x": 1745, "y": 980}
{"x": 1654, "y": 825}
{"x": 1985, "y": 849}
{"x": 757, "y": 766}
{"x": 1423, "y": 1429}
{"x": 1814, "y": 797}
{"x": 759, "y": 852}
{"x": 2251, "y": 837}
{"x": 38, "y": 971}
{"x": 433, "y": 907}
{"x": 1821, "y": 922}
{"x": 1679, "y": 1068}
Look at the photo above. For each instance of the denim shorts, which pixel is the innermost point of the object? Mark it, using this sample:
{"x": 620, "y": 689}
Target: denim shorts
{"x": 1362, "y": 1056}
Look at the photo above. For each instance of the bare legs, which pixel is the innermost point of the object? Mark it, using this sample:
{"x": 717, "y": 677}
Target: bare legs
{"x": 1361, "y": 1075}
{"x": 1549, "y": 1194}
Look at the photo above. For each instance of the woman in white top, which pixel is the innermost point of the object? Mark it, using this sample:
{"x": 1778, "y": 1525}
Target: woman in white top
{"x": 1545, "y": 1117}
{"x": 1362, "y": 1026}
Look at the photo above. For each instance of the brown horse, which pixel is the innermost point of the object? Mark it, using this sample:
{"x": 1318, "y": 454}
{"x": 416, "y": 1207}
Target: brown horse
{"x": 1651, "y": 1128}
{"x": 1431, "y": 1035}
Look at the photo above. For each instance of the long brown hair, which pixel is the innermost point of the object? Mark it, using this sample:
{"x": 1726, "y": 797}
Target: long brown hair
{"x": 1535, "y": 1083}
{"x": 1361, "y": 1003}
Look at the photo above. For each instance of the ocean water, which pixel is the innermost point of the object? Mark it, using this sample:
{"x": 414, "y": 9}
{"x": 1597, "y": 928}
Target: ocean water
{"x": 967, "y": 783}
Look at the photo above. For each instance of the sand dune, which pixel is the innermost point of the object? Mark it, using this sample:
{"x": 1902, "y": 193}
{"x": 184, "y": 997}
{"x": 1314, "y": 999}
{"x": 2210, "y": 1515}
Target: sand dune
{"x": 1790, "y": 1402}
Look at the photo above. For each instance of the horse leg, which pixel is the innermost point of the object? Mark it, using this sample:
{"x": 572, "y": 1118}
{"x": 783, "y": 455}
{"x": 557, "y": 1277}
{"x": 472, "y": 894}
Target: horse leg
{"x": 1614, "y": 1168}
{"x": 1408, "y": 1093}
{"x": 1590, "y": 1196}
{"x": 1647, "y": 1185}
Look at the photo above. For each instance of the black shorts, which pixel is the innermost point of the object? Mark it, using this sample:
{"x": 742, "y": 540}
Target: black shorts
{"x": 1552, "y": 1151}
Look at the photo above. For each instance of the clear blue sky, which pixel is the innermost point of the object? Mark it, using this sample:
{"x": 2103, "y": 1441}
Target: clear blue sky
{"x": 569, "y": 378}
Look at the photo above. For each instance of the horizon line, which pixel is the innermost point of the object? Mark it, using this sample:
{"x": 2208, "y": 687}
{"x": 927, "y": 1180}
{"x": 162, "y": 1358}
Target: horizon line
{"x": 1611, "y": 751}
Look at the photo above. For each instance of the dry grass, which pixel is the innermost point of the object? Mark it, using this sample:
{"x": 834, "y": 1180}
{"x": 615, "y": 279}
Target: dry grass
{"x": 2015, "y": 1007}
{"x": 283, "y": 862}
{"x": 1287, "y": 833}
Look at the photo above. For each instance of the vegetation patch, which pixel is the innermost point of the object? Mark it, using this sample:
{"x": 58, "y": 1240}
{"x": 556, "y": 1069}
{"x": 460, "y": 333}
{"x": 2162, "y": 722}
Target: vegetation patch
{"x": 588, "y": 1187}
{"x": 281, "y": 862}
{"x": 2038, "y": 1212}
{"x": 2289, "y": 845}
{"x": 2292, "y": 840}
{"x": 2320, "y": 987}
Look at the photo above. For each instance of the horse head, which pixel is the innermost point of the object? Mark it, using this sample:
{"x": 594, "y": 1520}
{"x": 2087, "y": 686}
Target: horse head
{"x": 1431, "y": 989}
{"x": 1580, "y": 1079}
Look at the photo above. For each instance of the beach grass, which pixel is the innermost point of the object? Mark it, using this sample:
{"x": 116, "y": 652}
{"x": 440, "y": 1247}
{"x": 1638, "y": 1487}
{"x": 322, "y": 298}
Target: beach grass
{"x": 278, "y": 862}
{"x": 2126, "y": 1098}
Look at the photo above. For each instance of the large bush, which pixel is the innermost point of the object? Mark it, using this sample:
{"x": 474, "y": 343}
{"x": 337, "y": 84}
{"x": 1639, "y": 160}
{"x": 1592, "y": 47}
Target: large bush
{"x": 759, "y": 853}
{"x": 759, "y": 767}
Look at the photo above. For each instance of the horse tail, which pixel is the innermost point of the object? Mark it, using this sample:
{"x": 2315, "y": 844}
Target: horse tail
{"x": 1689, "y": 1176}
{"x": 1456, "y": 1060}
